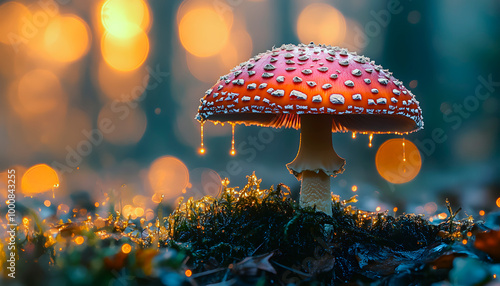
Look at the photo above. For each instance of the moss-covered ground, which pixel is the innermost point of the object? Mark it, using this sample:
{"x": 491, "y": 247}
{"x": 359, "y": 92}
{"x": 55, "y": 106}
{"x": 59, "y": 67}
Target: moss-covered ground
{"x": 254, "y": 236}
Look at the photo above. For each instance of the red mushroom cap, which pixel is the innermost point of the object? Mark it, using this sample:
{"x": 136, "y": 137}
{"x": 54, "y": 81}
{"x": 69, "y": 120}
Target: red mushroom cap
{"x": 276, "y": 87}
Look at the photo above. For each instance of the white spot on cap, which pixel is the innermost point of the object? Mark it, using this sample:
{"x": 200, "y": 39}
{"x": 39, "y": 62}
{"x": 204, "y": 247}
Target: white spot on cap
{"x": 267, "y": 75}
{"x": 317, "y": 98}
{"x": 256, "y": 98}
{"x": 349, "y": 83}
{"x": 303, "y": 58}
{"x": 394, "y": 100}
{"x": 307, "y": 71}
{"x": 356, "y": 72}
{"x": 237, "y": 73}
{"x": 396, "y": 92}
{"x": 288, "y": 56}
{"x": 360, "y": 60}
{"x": 381, "y": 100}
{"x": 356, "y": 96}
{"x": 297, "y": 79}
{"x": 371, "y": 102}
{"x": 245, "y": 98}
{"x": 208, "y": 92}
{"x": 239, "y": 81}
{"x": 280, "y": 78}
{"x": 326, "y": 86}
{"x": 330, "y": 59}
{"x": 295, "y": 94}
{"x": 367, "y": 80}
{"x": 250, "y": 66}
{"x": 252, "y": 86}
{"x": 278, "y": 92}
{"x": 311, "y": 83}
{"x": 251, "y": 73}
{"x": 374, "y": 90}
{"x": 344, "y": 63}
{"x": 220, "y": 87}
{"x": 336, "y": 98}
{"x": 289, "y": 62}
{"x": 262, "y": 85}
{"x": 383, "y": 81}
{"x": 269, "y": 67}
{"x": 273, "y": 60}
{"x": 270, "y": 90}
{"x": 290, "y": 69}
{"x": 369, "y": 70}
{"x": 323, "y": 69}
{"x": 334, "y": 76}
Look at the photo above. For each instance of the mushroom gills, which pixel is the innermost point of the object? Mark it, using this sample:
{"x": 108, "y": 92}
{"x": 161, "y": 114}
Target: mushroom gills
{"x": 202, "y": 145}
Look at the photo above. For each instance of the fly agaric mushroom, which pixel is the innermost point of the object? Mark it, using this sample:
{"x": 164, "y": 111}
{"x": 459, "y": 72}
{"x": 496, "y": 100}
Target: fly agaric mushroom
{"x": 319, "y": 89}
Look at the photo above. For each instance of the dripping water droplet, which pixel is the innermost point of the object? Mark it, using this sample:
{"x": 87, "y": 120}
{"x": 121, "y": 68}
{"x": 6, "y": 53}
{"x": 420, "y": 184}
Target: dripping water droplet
{"x": 404, "y": 151}
{"x": 353, "y": 135}
{"x": 233, "y": 151}
{"x": 371, "y": 138}
{"x": 202, "y": 145}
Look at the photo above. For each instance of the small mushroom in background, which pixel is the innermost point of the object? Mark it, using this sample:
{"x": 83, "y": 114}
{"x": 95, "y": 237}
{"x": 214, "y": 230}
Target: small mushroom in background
{"x": 319, "y": 89}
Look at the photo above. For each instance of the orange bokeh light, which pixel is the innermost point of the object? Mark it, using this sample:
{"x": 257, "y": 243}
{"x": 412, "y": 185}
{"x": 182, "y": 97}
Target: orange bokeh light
{"x": 208, "y": 69}
{"x": 38, "y": 92}
{"x": 203, "y": 32}
{"x": 442, "y": 216}
{"x": 239, "y": 49}
{"x": 67, "y": 38}
{"x": 430, "y": 208}
{"x": 321, "y": 23}
{"x": 126, "y": 248}
{"x": 120, "y": 85}
{"x": 38, "y": 179}
{"x": 125, "y": 54}
{"x": 139, "y": 212}
{"x": 13, "y": 15}
{"x": 498, "y": 202}
{"x": 79, "y": 240}
{"x": 168, "y": 176}
{"x": 391, "y": 164}
{"x": 354, "y": 40}
{"x": 125, "y": 19}
{"x": 126, "y": 125}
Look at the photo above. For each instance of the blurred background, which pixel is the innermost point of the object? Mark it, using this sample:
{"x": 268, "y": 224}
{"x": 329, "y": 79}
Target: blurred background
{"x": 98, "y": 100}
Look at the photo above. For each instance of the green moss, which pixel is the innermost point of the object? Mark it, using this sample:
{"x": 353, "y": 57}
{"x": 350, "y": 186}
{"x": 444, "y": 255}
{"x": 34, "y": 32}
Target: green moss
{"x": 217, "y": 232}
{"x": 251, "y": 236}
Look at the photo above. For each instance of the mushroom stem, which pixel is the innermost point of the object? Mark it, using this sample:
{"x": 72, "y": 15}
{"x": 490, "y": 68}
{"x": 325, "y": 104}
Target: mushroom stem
{"x": 316, "y": 161}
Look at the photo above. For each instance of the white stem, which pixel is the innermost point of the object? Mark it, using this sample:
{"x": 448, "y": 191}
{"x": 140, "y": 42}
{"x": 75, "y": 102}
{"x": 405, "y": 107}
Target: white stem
{"x": 315, "y": 191}
{"x": 316, "y": 161}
